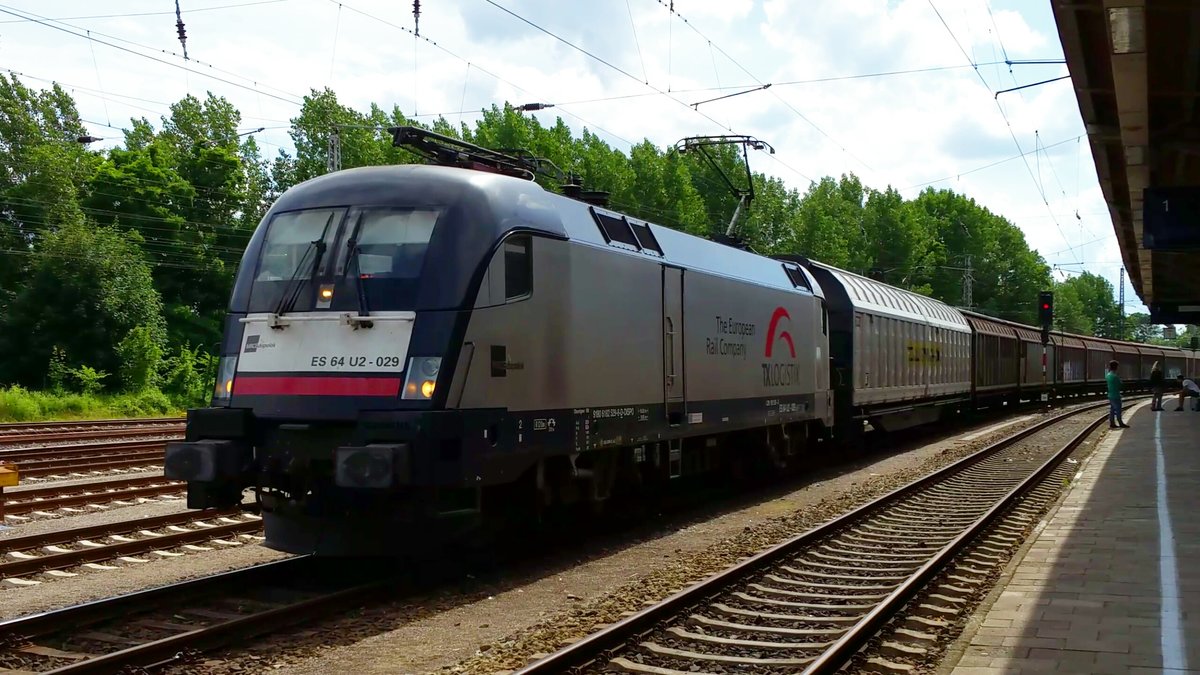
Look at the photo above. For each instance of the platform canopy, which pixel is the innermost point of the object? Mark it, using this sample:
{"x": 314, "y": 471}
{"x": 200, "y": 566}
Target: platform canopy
{"x": 1135, "y": 66}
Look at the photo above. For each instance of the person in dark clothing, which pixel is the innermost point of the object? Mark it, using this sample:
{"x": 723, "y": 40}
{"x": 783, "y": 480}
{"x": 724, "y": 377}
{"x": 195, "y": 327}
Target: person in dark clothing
{"x": 1157, "y": 384}
{"x": 1114, "y": 397}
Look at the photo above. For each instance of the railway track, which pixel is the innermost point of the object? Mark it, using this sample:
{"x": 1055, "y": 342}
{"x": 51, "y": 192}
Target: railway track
{"x": 53, "y": 552}
{"x": 41, "y": 468}
{"x": 54, "y": 497}
{"x": 171, "y": 623}
{"x": 80, "y": 451}
{"x": 809, "y": 604}
{"x": 35, "y": 432}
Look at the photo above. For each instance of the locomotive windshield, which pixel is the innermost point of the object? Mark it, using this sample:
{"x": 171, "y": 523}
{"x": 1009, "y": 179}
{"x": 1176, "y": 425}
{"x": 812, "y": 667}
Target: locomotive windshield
{"x": 372, "y": 258}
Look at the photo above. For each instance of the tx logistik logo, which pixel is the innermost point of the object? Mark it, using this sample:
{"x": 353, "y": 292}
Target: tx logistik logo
{"x": 780, "y": 313}
{"x": 780, "y": 374}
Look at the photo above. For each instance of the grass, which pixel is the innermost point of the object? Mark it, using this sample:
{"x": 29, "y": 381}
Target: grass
{"x": 22, "y": 405}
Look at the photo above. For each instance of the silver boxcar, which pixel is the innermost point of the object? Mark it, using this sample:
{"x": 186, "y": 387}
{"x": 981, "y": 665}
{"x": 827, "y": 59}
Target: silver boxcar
{"x": 1071, "y": 360}
{"x": 995, "y": 356}
{"x": 901, "y": 354}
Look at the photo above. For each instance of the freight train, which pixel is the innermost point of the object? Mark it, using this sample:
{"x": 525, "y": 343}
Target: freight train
{"x": 410, "y": 349}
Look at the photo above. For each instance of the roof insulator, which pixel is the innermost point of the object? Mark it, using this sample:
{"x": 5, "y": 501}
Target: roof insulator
{"x": 181, "y": 31}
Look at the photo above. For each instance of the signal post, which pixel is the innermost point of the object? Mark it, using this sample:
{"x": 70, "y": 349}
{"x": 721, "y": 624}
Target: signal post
{"x": 1046, "y": 316}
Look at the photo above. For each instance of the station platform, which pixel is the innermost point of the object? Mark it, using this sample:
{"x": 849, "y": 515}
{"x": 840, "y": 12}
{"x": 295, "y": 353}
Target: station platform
{"x": 1110, "y": 583}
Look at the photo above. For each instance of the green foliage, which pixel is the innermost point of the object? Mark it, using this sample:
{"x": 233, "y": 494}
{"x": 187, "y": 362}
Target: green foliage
{"x": 88, "y": 379}
{"x": 21, "y": 405}
{"x": 1091, "y": 307}
{"x": 141, "y": 356}
{"x": 58, "y": 371}
{"x": 188, "y": 377}
{"x": 87, "y": 288}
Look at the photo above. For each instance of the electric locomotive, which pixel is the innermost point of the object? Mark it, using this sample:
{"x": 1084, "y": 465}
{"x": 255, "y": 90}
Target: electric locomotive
{"x": 411, "y": 348}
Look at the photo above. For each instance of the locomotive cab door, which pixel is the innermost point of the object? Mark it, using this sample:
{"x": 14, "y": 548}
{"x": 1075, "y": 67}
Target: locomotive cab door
{"x": 673, "y": 381}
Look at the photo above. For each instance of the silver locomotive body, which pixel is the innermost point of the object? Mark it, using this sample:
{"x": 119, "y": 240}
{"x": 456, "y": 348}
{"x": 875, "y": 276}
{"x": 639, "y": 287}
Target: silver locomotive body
{"x": 411, "y": 347}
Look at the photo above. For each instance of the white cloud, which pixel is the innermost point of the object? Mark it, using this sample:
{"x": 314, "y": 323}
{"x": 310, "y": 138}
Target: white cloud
{"x": 901, "y": 130}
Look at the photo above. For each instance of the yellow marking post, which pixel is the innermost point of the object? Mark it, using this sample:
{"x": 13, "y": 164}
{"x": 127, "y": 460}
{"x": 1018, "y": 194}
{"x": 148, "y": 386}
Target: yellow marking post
{"x": 9, "y": 476}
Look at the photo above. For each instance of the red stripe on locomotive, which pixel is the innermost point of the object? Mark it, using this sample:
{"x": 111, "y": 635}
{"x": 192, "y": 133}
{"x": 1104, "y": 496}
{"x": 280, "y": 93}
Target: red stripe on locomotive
{"x": 247, "y": 385}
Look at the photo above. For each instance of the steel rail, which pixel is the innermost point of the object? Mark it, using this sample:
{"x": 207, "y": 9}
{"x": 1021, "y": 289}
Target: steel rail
{"x": 55, "y": 467}
{"x": 109, "y": 491}
{"x": 854, "y": 639}
{"x": 82, "y": 434}
{"x": 298, "y": 572}
{"x": 71, "y": 450}
{"x": 58, "y": 561}
{"x": 57, "y": 537}
{"x": 22, "y": 628}
{"x": 21, "y": 426}
{"x": 614, "y": 636}
{"x": 169, "y": 650}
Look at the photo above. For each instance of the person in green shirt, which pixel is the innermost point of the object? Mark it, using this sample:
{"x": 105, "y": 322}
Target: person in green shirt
{"x": 1114, "y": 397}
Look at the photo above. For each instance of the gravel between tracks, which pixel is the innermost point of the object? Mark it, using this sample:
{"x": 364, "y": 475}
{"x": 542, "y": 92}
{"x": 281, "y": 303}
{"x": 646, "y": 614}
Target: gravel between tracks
{"x": 482, "y": 627}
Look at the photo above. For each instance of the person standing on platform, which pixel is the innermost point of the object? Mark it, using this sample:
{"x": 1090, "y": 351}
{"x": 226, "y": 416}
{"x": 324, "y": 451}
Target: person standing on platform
{"x": 1157, "y": 384}
{"x": 1114, "y": 397}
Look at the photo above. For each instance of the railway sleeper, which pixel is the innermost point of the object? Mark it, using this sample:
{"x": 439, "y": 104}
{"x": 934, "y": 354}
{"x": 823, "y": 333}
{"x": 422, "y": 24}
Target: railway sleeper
{"x": 878, "y": 664}
{"x": 847, "y": 577}
{"x": 918, "y": 622}
{"x": 838, "y": 587}
{"x": 892, "y": 648}
{"x": 703, "y": 638}
{"x": 722, "y": 608}
{"x": 935, "y": 611}
{"x": 701, "y": 620}
{"x": 660, "y": 650}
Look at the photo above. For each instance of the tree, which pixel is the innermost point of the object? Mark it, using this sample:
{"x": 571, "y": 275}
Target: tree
{"x": 1098, "y": 305}
{"x": 88, "y": 288}
{"x": 42, "y": 169}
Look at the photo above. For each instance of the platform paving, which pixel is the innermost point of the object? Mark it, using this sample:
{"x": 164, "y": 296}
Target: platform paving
{"x": 1111, "y": 581}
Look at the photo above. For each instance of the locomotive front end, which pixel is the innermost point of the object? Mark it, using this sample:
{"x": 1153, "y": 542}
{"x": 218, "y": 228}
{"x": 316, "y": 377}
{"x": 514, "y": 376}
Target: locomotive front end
{"x": 340, "y": 348}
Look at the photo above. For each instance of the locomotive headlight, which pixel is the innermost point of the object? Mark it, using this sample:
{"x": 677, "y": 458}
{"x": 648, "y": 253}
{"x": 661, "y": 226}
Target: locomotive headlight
{"x": 364, "y": 467}
{"x": 226, "y": 370}
{"x": 421, "y": 379}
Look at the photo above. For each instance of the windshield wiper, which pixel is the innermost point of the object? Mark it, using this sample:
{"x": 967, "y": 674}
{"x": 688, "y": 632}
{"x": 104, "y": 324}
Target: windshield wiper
{"x": 360, "y": 285}
{"x": 291, "y": 292}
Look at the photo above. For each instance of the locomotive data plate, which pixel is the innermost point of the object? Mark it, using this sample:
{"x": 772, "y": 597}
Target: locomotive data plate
{"x": 324, "y": 342}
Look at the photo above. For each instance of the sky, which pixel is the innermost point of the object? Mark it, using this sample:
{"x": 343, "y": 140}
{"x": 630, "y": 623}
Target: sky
{"x": 630, "y": 70}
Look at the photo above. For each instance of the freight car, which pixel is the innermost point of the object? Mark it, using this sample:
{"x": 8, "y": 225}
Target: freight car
{"x": 412, "y": 350}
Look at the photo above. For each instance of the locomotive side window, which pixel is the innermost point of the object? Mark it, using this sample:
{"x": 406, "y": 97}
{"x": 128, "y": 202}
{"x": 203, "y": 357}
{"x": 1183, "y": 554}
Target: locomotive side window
{"x": 797, "y": 277}
{"x": 518, "y": 267}
{"x": 647, "y": 238}
{"x": 615, "y": 229}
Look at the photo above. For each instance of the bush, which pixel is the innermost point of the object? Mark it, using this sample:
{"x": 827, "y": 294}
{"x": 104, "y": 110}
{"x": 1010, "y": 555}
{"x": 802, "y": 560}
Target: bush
{"x": 189, "y": 376}
{"x": 88, "y": 379}
{"x": 22, "y": 405}
{"x": 141, "y": 357}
